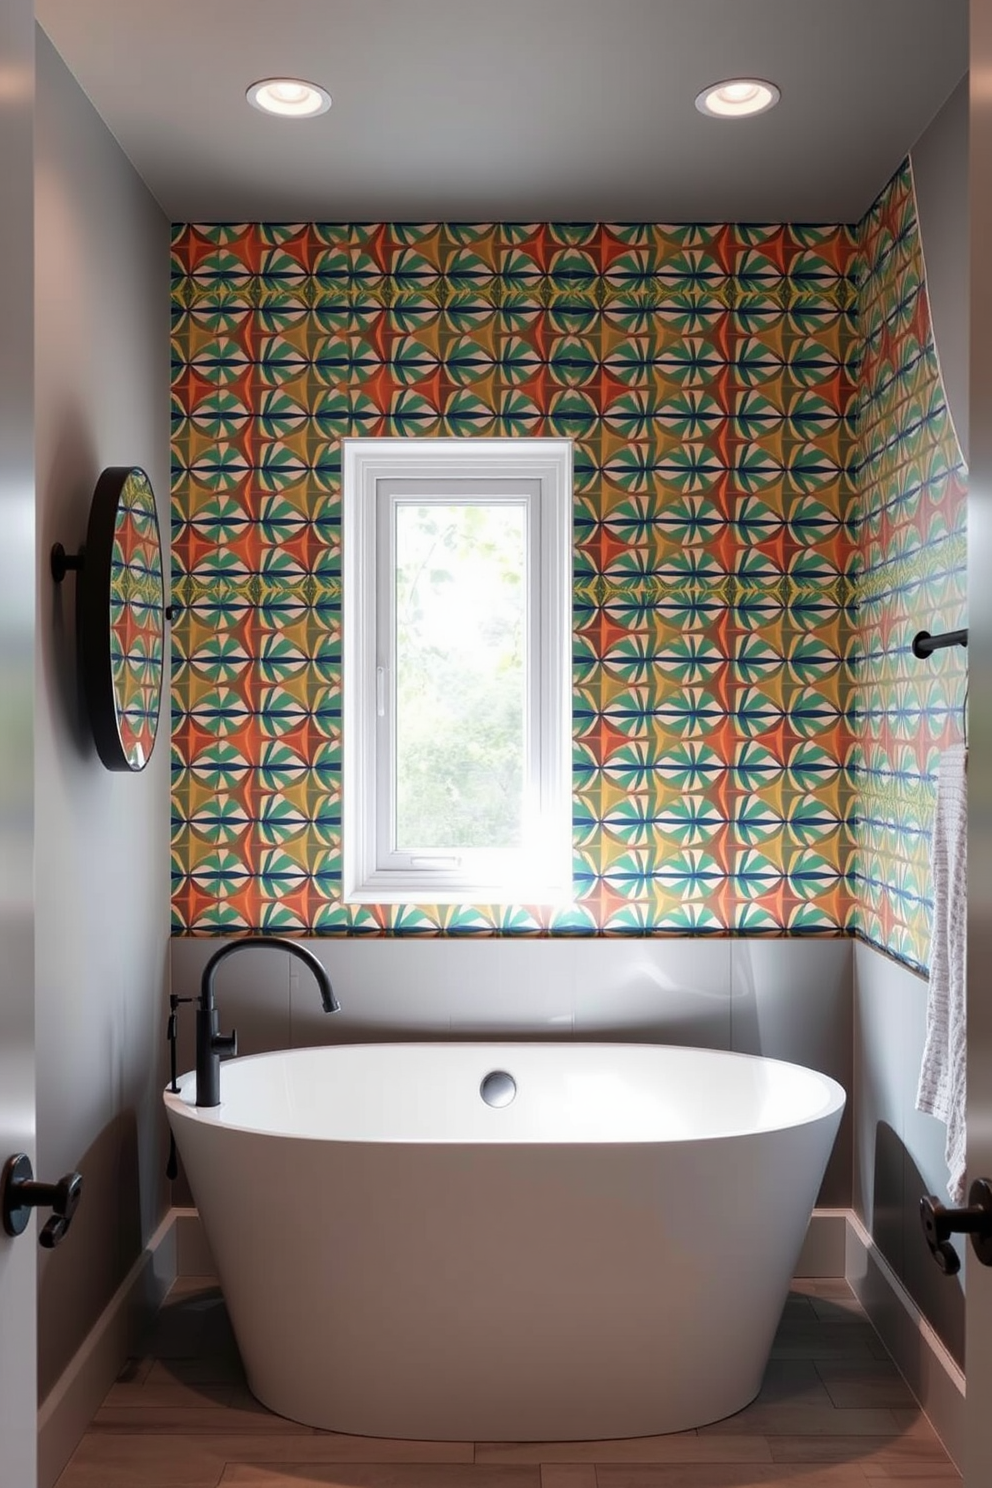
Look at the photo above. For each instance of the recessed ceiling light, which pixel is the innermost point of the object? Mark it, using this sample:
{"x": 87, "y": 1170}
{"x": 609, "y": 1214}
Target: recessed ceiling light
{"x": 737, "y": 97}
{"x": 290, "y": 97}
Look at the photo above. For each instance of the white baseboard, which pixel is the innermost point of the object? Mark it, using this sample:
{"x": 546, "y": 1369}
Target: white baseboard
{"x": 837, "y": 1245}
{"x": 193, "y": 1257}
{"x": 824, "y": 1251}
{"x": 72, "y": 1403}
{"x": 935, "y": 1378}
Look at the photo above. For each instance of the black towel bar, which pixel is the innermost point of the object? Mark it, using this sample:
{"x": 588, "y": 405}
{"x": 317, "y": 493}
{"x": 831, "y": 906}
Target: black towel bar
{"x": 924, "y": 642}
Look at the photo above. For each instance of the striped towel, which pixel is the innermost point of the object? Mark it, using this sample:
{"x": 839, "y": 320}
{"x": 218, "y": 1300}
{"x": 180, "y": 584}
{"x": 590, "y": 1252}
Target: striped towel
{"x": 942, "y": 1089}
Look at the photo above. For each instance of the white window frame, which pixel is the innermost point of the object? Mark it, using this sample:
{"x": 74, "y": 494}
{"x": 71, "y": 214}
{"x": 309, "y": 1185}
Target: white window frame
{"x": 537, "y": 472}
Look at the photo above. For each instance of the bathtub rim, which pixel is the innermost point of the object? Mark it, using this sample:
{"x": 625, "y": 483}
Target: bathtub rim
{"x": 181, "y": 1103}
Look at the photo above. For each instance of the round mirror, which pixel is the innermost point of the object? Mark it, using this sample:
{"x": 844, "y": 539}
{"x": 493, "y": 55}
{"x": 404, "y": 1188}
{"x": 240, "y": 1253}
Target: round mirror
{"x": 123, "y": 618}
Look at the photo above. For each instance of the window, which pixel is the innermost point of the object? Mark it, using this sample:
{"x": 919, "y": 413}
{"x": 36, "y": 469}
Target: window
{"x": 457, "y": 670}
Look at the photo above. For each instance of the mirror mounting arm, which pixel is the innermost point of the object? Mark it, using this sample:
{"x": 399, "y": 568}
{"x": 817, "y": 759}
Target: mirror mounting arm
{"x": 63, "y": 562}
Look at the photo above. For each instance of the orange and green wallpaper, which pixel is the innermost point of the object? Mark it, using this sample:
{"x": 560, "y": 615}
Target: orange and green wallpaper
{"x": 908, "y": 525}
{"x": 725, "y": 584}
{"x": 706, "y": 376}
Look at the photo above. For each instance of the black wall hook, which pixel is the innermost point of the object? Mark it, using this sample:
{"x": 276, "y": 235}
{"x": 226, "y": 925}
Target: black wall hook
{"x": 924, "y": 643}
{"x": 940, "y": 1223}
{"x": 63, "y": 562}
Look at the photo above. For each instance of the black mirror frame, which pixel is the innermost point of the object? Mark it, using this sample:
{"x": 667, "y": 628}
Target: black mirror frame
{"x": 94, "y": 566}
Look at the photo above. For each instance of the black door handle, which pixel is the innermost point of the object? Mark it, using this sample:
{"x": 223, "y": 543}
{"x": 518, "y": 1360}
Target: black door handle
{"x": 940, "y": 1223}
{"x": 19, "y": 1194}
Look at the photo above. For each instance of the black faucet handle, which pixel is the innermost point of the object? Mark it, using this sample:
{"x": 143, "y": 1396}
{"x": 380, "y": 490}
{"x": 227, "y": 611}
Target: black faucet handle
{"x": 225, "y": 1045}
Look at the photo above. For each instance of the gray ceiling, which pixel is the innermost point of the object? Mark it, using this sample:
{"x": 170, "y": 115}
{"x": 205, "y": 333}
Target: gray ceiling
{"x": 534, "y": 110}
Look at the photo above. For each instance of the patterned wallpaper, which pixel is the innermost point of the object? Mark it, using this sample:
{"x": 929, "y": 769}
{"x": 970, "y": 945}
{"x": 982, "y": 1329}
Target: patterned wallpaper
{"x": 706, "y": 376}
{"x": 909, "y": 529}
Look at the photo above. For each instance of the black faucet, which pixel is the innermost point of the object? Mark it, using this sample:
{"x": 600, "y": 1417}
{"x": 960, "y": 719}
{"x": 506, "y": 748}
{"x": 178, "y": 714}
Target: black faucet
{"x": 211, "y": 1045}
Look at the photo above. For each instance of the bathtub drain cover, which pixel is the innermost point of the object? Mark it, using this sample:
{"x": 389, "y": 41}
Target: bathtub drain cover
{"x": 498, "y": 1088}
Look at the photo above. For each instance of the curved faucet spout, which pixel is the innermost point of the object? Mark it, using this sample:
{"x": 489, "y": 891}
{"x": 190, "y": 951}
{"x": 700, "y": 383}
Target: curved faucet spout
{"x": 275, "y": 943}
{"x": 211, "y": 1045}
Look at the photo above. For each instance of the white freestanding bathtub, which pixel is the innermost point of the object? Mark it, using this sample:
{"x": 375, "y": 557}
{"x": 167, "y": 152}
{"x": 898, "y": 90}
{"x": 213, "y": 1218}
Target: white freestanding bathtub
{"x": 607, "y": 1255}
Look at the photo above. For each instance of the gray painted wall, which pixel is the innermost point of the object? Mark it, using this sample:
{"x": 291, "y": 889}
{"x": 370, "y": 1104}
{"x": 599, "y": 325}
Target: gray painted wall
{"x": 787, "y": 999}
{"x": 102, "y": 840}
{"x": 898, "y": 1153}
{"x": 940, "y": 168}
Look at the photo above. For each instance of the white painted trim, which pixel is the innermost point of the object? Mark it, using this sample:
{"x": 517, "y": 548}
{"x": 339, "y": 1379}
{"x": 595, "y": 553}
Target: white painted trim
{"x": 542, "y": 871}
{"x": 73, "y": 1401}
{"x": 935, "y": 1378}
{"x": 193, "y": 1254}
{"x": 824, "y": 1249}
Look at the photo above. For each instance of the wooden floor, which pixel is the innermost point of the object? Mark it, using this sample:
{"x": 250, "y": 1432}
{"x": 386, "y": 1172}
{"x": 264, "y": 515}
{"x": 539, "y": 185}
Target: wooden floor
{"x": 833, "y": 1411}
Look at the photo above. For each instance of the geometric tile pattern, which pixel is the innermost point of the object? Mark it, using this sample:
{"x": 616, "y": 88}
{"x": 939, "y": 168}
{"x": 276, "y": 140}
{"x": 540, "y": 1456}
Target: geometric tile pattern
{"x": 706, "y": 376}
{"x": 909, "y": 530}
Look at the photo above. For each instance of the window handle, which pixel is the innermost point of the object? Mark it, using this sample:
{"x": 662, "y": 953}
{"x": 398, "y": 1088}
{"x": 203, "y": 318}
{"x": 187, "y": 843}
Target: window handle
{"x": 380, "y": 691}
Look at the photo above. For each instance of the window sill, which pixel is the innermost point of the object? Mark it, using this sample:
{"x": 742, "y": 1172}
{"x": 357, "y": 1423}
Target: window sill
{"x": 420, "y": 894}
